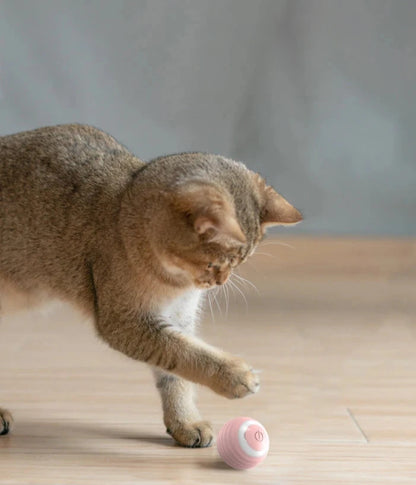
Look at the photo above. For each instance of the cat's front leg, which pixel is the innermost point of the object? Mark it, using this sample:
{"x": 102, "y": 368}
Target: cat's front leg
{"x": 180, "y": 415}
{"x": 151, "y": 339}
{"x": 122, "y": 320}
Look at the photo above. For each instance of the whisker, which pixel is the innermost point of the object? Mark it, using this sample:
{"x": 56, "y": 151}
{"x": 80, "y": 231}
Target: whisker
{"x": 210, "y": 307}
{"x": 245, "y": 280}
{"x": 227, "y": 299}
{"x": 276, "y": 243}
{"x": 216, "y": 301}
{"x": 265, "y": 254}
{"x": 231, "y": 286}
{"x": 224, "y": 298}
{"x": 233, "y": 283}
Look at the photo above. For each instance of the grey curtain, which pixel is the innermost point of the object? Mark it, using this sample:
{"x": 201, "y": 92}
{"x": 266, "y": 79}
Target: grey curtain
{"x": 317, "y": 95}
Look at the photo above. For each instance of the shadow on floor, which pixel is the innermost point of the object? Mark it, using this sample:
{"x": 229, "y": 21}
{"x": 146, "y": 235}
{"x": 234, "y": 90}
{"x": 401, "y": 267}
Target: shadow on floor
{"x": 75, "y": 435}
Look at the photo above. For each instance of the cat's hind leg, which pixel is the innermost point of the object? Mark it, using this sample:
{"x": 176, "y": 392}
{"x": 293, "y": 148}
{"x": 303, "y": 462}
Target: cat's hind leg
{"x": 180, "y": 415}
{"x": 6, "y": 421}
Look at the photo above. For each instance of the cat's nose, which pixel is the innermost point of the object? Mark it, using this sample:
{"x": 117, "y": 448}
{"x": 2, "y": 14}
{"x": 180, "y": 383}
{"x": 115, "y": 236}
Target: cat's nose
{"x": 221, "y": 278}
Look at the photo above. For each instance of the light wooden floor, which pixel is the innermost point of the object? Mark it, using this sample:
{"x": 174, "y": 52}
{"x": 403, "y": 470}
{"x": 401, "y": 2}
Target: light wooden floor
{"x": 334, "y": 331}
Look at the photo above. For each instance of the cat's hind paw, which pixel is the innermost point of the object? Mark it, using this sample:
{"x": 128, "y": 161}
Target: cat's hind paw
{"x": 6, "y": 421}
{"x": 192, "y": 435}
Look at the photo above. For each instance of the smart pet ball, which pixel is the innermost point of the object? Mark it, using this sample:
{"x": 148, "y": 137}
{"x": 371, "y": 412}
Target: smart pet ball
{"x": 243, "y": 443}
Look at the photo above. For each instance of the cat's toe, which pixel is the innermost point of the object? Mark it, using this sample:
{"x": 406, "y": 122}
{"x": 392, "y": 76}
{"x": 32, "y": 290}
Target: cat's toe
{"x": 249, "y": 383}
{"x": 6, "y": 421}
{"x": 192, "y": 435}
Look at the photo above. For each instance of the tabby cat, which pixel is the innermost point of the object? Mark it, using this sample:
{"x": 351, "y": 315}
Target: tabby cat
{"x": 135, "y": 245}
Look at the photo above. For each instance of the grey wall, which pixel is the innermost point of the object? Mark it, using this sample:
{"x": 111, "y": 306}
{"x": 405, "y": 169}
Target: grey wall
{"x": 319, "y": 96}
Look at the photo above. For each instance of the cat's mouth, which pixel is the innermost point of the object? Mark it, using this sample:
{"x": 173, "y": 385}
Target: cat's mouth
{"x": 214, "y": 275}
{"x": 205, "y": 284}
{"x": 212, "y": 282}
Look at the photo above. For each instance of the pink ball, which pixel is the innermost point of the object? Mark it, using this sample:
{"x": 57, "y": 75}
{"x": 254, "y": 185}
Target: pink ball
{"x": 243, "y": 443}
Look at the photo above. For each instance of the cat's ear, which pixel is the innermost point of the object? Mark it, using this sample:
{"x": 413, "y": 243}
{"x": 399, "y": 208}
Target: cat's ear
{"x": 210, "y": 213}
{"x": 276, "y": 210}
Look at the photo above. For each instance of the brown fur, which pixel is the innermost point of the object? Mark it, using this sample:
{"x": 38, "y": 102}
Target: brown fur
{"x": 131, "y": 244}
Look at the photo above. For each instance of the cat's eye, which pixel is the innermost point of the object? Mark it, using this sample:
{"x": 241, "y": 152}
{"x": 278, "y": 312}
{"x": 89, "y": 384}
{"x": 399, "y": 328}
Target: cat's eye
{"x": 209, "y": 265}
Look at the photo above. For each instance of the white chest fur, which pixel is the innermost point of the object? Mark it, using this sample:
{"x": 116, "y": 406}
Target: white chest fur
{"x": 183, "y": 311}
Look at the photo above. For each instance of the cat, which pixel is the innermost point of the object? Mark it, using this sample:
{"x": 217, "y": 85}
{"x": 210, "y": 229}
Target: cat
{"x": 134, "y": 245}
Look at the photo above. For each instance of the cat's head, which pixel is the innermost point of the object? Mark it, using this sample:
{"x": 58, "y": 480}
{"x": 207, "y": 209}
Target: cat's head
{"x": 208, "y": 215}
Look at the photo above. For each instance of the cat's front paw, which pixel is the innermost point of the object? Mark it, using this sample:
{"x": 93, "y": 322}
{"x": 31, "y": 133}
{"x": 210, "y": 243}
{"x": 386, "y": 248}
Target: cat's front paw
{"x": 192, "y": 435}
{"x": 236, "y": 379}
